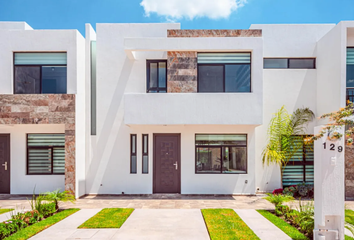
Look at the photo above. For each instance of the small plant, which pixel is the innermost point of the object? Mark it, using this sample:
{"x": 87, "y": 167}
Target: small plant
{"x": 278, "y": 191}
{"x": 278, "y": 199}
{"x": 58, "y": 196}
{"x": 306, "y": 219}
{"x": 48, "y": 209}
{"x": 291, "y": 191}
{"x": 37, "y": 203}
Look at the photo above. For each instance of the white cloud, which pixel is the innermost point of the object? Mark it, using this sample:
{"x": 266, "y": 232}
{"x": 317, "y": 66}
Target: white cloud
{"x": 177, "y": 9}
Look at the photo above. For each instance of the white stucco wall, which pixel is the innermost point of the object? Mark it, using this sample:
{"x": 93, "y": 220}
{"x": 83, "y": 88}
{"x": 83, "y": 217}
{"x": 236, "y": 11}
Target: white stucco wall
{"x": 293, "y": 88}
{"x": 20, "y": 183}
{"x": 19, "y": 40}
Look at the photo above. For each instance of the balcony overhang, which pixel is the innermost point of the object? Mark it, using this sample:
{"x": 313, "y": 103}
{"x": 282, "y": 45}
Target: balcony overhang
{"x": 200, "y": 44}
{"x": 193, "y": 108}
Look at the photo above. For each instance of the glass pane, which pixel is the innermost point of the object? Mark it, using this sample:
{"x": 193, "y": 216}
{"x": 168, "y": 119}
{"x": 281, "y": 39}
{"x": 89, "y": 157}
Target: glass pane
{"x": 293, "y": 175}
{"x": 301, "y": 63}
{"x": 309, "y": 177}
{"x": 153, "y": 75}
{"x": 40, "y": 58}
{"x": 133, "y": 164}
{"x": 350, "y": 76}
{"x": 219, "y": 139}
{"x": 133, "y": 139}
{"x": 238, "y": 78}
{"x": 53, "y": 79}
{"x": 145, "y": 164}
{"x": 39, "y": 160}
{"x": 145, "y": 143}
{"x": 46, "y": 140}
{"x": 234, "y": 160}
{"x": 59, "y": 160}
{"x": 210, "y": 78}
{"x": 350, "y": 56}
{"x": 27, "y": 80}
{"x": 208, "y": 160}
{"x": 224, "y": 57}
{"x": 162, "y": 74}
{"x": 275, "y": 63}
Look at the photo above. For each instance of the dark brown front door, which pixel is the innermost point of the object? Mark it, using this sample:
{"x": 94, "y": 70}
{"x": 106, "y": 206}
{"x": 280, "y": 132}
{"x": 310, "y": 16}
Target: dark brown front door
{"x": 4, "y": 163}
{"x": 167, "y": 167}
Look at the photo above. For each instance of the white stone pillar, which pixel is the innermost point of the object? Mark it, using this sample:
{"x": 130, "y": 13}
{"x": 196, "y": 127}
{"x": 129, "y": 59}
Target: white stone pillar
{"x": 329, "y": 186}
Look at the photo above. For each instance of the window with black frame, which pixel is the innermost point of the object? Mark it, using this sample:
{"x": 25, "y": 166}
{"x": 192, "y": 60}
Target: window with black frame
{"x": 45, "y": 154}
{"x": 156, "y": 74}
{"x": 299, "y": 169}
{"x": 36, "y": 73}
{"x": 224, "y": 72}
{"x": 221, "y": 153}
{"x": 350, "y": 74}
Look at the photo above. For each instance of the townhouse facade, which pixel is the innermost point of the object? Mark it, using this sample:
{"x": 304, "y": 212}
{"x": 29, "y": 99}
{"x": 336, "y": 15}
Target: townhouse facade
{"x": 153, "y": 108}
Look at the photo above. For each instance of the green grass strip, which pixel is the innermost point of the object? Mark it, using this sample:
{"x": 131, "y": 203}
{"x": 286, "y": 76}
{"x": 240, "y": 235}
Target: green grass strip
{"x": 349, "y": 216}
{"x": 346, "y": 237}
{"x": 5, "y": 210}
{"x": 32, "y": 230}
{"x": 284, "y": 226}
{"x": 225, "y": 224}
{"x": 108, "y": 218}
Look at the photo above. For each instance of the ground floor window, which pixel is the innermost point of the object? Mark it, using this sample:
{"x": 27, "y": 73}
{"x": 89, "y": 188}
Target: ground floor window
{"x": 45, "y": 154}
{"x": 300, "y": 167}
{"x": 221, "y": 153}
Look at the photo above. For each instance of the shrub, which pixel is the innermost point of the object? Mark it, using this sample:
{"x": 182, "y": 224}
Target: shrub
{"x": 278, "y": 191}
{"x": 48, "y": 209}
{"x": 291, "y": 191}
{"x": 57, "y": 196}
{"x": 277, "y": 200}
{"x": 306, "y": 218}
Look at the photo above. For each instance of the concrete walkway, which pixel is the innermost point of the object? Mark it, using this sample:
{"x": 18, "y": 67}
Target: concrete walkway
{"x": 164, "y": 224}
{"x": 143, "y": 224}
{"x": 263, "y": 228}
{"x": 67, "y": 228}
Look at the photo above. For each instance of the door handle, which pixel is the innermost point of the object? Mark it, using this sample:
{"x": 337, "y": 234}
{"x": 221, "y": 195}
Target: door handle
{"x": 176, "y": 165}
{"x": 5, "y": 165}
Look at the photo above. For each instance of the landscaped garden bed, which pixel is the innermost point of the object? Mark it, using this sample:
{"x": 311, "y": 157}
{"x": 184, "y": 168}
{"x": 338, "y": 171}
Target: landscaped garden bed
{"x": 108, "y": 218}
{"x": 224, "y": 224}
{"x": 45, "y": 212}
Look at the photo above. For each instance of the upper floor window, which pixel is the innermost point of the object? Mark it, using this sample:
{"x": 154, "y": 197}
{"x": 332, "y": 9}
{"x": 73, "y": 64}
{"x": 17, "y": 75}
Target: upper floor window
{"x": 224, "y": 72}
{"x": 156, "y": 76}
{"x": 295, "y": 63}
{"x": 36, "y": 73}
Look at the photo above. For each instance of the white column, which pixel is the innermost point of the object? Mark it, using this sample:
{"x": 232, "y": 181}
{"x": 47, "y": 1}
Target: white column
{"x": 329, "y": 186}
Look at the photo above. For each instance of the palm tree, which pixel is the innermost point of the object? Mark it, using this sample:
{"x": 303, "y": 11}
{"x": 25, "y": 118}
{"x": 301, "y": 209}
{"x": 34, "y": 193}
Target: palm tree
{"x": 282, "y": 141}
{"x": 57, "y": 196}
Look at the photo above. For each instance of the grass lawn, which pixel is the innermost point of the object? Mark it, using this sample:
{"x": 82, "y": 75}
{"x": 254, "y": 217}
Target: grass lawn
{"x": 225, "y": 224}
{"x": 40, "y": 226}
{"x": 284, "y": 226}
{"x": 349, "y": 217}
{"x": 5, "y": 210}
{"x": 108, "y": 218}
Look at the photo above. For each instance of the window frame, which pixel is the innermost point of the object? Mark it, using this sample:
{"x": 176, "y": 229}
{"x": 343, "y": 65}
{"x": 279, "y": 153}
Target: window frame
{"x": 42, "y": 147}
{"x": 302, "y": 163}
{"x": 145, "y": 153}
{"x": 157, "y": 89}
{"x": 133, "y": 153}
{"x": 40, "y": 72}
{"x": 218, "y": 146}
{"x": 288, "y": 62}
{"x": 223, "y": 64}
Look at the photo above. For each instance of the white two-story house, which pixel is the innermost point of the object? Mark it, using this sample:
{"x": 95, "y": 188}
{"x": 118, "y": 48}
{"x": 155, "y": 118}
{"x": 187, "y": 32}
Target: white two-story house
{"x": 159, "y": 109}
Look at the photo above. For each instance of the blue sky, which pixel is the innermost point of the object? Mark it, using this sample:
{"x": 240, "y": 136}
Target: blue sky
{"x": 192, "y": 14}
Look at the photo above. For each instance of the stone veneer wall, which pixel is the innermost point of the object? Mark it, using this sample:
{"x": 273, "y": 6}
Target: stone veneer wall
{"x": 349, "y": 172}
{"x": 45, "y": 109}
{"x": 182, "y": 66}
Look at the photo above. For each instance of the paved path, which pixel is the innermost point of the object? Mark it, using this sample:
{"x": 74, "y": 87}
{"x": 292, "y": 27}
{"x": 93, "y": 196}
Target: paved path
{"x": 143, "y": 224}
{"x": 153, "y": 201}
{"x": 263, "y": 228}
{"x": 67, "y": 228}
{"x": 164, "y": 224}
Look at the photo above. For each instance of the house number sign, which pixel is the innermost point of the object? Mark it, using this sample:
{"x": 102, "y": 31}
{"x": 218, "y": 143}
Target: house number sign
{"x": 332, "y": 147}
